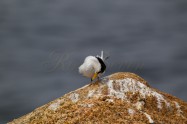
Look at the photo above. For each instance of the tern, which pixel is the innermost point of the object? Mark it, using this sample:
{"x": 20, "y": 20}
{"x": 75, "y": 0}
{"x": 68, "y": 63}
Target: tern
{"x": 93, "y": 66}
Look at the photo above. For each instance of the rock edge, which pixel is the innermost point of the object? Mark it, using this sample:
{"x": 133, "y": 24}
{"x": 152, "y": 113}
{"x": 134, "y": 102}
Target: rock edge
{"x": 119, "y": 98}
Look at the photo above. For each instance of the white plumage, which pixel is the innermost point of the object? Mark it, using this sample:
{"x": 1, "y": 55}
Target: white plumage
{"x": 93, "y": 66}
{"x": 90, "y": 66}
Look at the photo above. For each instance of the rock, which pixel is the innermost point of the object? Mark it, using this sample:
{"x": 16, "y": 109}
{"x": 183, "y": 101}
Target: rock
{"x": 119, "y": 98}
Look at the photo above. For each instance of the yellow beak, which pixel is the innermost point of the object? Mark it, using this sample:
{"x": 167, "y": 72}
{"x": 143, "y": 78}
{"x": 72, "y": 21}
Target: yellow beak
{"x": 95, "y": 76}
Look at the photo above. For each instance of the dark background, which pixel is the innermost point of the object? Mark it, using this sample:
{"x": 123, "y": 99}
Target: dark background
{"x": 43, "y": 42}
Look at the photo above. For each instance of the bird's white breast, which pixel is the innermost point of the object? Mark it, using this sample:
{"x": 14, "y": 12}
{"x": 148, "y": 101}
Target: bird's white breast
{"x": 90, "y": 66}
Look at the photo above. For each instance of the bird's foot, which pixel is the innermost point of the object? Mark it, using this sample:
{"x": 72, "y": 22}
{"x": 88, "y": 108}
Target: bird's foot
{"x": 98, "y": 79}
{"x": 93, "y": 81}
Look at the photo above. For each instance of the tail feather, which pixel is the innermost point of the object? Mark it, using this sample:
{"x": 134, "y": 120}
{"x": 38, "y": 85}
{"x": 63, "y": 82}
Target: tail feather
{"x": 102, "y": 54}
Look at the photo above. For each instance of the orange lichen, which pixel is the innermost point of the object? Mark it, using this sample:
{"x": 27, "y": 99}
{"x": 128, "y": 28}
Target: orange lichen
{"x": 119, "y": 98}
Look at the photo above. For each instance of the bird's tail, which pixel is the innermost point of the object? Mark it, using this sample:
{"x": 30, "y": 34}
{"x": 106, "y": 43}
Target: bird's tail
{"x": 102, "y": 54}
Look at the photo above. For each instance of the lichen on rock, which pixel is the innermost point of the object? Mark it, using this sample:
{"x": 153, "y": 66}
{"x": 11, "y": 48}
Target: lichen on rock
{"x": 118, "y": 98}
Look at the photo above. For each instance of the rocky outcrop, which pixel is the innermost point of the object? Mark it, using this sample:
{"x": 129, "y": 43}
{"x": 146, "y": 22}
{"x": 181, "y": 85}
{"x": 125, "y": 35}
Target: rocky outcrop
{"x": 119, "y": 98}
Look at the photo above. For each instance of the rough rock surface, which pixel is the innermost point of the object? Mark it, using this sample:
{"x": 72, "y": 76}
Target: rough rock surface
{"x": 123, "y": 98}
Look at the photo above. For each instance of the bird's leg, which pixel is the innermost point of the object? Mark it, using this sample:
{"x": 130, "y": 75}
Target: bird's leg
{"x": 98, "y": 78}
{"x": 91, "y": 82}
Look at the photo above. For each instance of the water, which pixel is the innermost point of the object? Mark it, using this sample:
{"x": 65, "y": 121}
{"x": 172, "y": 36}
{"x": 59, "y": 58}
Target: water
{"x": 42, "y": 43}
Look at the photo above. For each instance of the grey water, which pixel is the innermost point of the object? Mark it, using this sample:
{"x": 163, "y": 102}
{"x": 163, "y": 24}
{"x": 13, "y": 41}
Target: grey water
{"x": 43, "y": 42}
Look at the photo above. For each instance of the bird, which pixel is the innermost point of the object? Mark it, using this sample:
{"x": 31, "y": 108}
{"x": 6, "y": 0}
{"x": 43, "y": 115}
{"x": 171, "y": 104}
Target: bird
{"x": 93, "y": 66}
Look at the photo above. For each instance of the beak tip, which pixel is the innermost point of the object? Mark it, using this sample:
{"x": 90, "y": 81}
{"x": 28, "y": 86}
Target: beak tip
{"x": 94, "y": 76}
